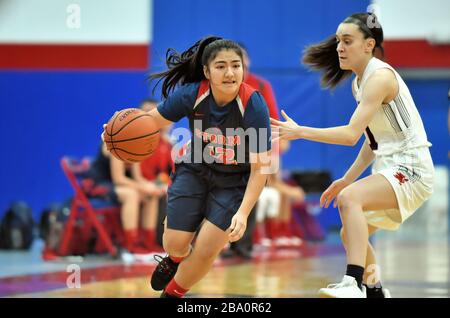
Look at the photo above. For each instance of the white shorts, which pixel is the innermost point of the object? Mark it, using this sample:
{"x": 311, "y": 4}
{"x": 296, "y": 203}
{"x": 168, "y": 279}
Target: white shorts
{"x": 411, "y": 175}
{"x": 268, "y": 204}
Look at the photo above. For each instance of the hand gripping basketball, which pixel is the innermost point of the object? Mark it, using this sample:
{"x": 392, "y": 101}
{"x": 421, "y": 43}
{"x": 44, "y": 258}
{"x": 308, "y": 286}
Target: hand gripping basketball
{"x": 131, "y": 135}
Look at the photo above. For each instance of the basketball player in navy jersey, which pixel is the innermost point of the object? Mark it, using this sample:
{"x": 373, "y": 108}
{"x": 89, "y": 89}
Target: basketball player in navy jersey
{"x": 220, "y": 176}
{"x": 396, "y": 145}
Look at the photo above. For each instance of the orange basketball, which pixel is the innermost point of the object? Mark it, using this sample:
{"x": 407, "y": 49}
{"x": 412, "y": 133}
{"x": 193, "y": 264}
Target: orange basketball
{"x": 131, "y": 135}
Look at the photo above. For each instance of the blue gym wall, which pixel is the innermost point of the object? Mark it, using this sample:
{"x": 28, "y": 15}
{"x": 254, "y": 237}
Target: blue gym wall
{"x": 48, "y": 114}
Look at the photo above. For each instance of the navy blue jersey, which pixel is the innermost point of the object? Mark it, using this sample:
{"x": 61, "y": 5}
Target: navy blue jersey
{"x": 222, "y": 136}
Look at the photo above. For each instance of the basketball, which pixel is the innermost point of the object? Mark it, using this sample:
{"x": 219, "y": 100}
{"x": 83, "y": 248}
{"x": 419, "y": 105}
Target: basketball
{"x": 131, "y": 135}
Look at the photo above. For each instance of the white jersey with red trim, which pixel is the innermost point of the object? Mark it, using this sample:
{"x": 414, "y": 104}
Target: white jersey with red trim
{"x": 398, "y": 139}
{"x": 396, "y": 126}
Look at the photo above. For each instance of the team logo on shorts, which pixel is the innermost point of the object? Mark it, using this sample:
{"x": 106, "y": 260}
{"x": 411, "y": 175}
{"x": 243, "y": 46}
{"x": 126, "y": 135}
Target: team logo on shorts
{"x": 400, "y": 177}
{"x": 405, "y": 174}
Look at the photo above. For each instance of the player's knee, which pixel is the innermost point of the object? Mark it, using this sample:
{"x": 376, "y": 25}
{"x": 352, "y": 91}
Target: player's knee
{"x": 174, "y": 246}
{"x": 345, "y": 200}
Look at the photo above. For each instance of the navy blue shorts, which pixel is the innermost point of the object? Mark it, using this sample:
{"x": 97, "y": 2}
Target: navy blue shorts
{"x": 198, "y": 192}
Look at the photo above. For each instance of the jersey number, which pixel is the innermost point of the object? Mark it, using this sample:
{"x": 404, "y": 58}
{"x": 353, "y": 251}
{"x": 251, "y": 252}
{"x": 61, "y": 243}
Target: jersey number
{"x": 222, "y": 155}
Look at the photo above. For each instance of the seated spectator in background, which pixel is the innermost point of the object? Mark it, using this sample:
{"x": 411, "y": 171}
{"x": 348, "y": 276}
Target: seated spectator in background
{"x": 126, "y": 185}
{"x": 157, "y": 169}
{"x": 243, "y": 247}
{"x": 267, "y": 213}
{"x": 274, "y": 216}
{"x": 277, "y": 197}
{"x": 287, "y": 232}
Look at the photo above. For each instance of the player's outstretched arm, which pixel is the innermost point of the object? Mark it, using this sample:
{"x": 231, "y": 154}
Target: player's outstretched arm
{"x": 378, "y": 88}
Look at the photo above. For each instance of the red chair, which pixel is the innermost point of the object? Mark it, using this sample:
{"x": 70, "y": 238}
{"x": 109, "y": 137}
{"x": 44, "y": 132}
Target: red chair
{"x": 105, "y": 220}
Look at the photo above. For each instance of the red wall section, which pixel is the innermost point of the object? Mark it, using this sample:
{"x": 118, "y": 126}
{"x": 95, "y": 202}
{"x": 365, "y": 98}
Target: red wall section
{"x": 57, "y": 56}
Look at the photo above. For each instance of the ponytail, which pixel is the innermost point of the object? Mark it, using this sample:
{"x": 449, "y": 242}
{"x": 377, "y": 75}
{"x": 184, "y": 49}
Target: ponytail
{"x": 323, "y": 57}
{"x": 183, "y": 68}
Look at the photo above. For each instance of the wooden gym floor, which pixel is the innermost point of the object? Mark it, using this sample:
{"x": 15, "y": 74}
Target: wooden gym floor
{"x": 413, "y": 265}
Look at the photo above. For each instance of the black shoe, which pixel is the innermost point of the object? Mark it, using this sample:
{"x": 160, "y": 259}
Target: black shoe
{"x": 165, "y": 295}
{"x": 163, "y": 273}
{"x": 228, "y": 253}
{"x": 243, "y": 253}
{"x": 242, "y": 250}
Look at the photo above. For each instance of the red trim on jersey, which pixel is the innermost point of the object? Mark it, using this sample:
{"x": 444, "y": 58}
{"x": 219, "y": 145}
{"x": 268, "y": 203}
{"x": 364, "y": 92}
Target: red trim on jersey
{"x": 417, "y": 53}
{"x": 74, "y": 56}
{"x": 245, "y": 92}
{"x": 204, "y": 87}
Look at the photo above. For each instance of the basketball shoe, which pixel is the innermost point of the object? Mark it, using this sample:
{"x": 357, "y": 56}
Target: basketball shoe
{"x": 163, "y": 273}
{"x": 347, "y": 288}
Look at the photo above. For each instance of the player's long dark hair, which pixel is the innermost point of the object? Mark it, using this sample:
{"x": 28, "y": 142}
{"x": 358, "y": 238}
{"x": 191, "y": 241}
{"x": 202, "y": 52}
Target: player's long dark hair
{"x": 187, "y": 67}
{"x": 323, "y": 56}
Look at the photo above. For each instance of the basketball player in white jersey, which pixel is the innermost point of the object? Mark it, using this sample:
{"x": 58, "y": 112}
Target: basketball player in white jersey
{"x": 396, "y": 145}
